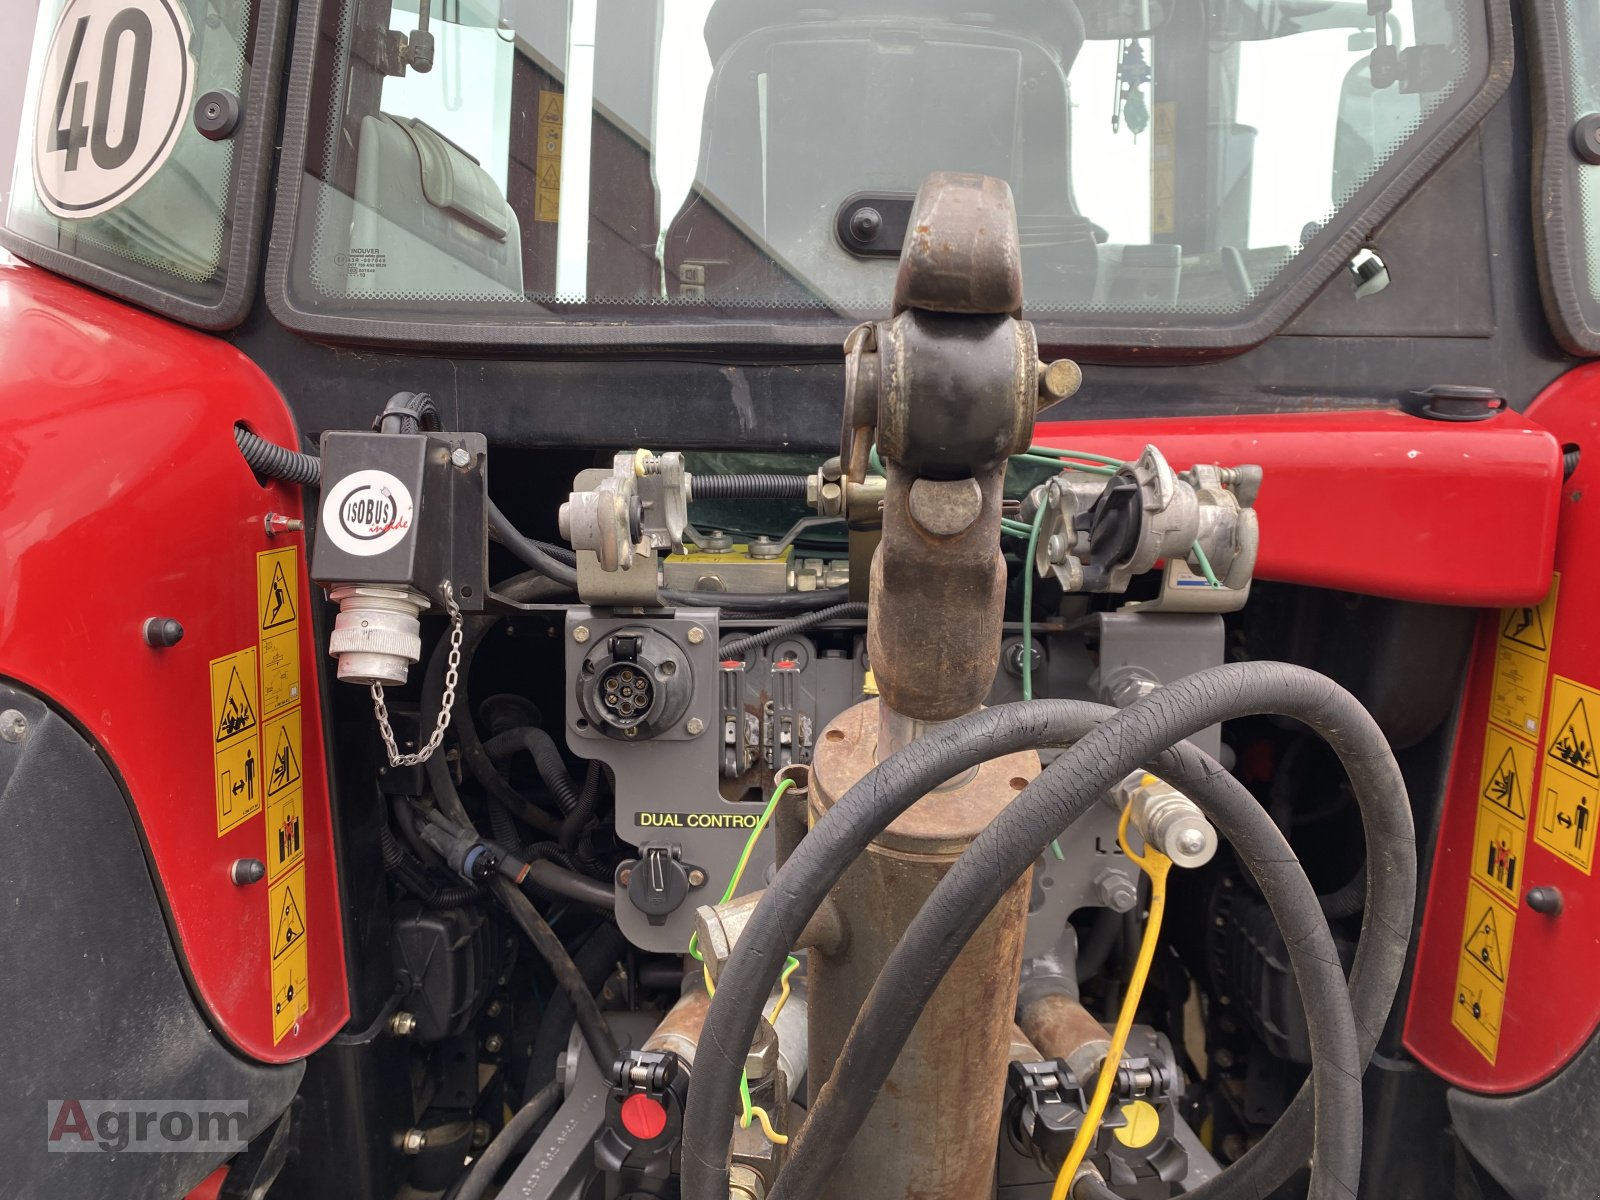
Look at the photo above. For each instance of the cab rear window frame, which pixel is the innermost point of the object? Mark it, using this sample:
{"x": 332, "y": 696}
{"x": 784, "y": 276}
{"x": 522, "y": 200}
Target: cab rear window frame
{"x": 247, "y": 198}
{"x": 1152, "y": 337}
{"x": 1558, "y": 214}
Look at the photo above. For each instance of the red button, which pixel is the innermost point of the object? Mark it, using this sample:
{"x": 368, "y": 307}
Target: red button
{"x": 643, "y": 1117}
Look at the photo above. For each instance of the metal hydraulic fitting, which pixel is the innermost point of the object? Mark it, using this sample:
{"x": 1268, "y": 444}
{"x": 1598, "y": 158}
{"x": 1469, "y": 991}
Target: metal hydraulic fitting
{"x": 1168, "y": 820}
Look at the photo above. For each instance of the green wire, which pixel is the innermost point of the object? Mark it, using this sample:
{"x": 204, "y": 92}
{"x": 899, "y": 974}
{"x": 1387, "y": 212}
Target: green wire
{"x": 1027, "y": 601}
{"x": 1205, "y": 565}
{"x": 1052, "y": 452}
{"x": 1057, "y": 464}
{"x": 744, "y": 858}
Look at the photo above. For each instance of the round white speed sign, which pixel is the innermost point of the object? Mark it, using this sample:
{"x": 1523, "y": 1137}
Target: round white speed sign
{"x": 113, "y": 97}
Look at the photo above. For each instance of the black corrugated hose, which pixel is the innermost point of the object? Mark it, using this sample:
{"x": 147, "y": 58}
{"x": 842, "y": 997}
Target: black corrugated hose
{"x": 747, "y": 487}
{"x": 275, "y": 461}
{"x": 890, "y": 788}
{"x": 734, "y": 647}
{"x": 596, "y": 959}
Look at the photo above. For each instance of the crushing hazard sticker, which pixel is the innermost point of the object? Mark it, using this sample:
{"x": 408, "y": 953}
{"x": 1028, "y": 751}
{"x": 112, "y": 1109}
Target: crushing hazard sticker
{"x": 1571, "y": 784}
{"x": 235, "y": 730}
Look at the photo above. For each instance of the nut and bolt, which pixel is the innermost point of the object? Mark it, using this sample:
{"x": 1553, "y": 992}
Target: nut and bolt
{"x": 402, "y": 1024}
{"x": 13, "y": 725}
{"x": 1223, "y": 1058}
{"x": 495, "y": 1008}
{"x": 1116, "y": 891}
{"x": 494, "y": 1043}
{"x": 625, "y": 876}
{"x": 276, "y": 523}
{"x": 762, "y": 1058}
{"x": 1056, "y": 548}
{"x": 413, "y": 1141}
{"x": 745, "y": 1184}
{"x": 695, "y": 727}
{"x": 696, "y": 635}
{"x": 697, "y": 877}
{"x": 480, "y": 1133}
{"x": 580, "y": 634}
{"x": 460, "y": 458}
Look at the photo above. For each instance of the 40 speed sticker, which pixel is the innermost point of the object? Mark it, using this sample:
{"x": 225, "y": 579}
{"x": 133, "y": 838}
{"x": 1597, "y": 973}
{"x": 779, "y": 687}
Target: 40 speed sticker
{"x": 367, "y": 513}
{"x": 113, "y": 97}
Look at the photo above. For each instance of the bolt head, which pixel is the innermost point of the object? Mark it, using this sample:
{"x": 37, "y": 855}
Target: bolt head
{"x": 1056, "y": 548}
{"x": 580, "y": 634}
{"x": 402, "y": 1024}
{"x": 697, "y": 878}
{"x": 13, "y": 725}
{"x": 695, "y": 726}
{"x": 696, "y": 635}
{"x": 625, "y": 876}
{"x": 460, "y": 458}
{"x": 413, "y": 1141}
{"x": 494, "y": 1043}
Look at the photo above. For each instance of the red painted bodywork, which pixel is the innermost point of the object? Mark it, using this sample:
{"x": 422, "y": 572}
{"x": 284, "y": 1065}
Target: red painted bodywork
{"x": 1379, "y": 502}
{"x": 123, "y": 496}
{"x": 1552, "y": 997}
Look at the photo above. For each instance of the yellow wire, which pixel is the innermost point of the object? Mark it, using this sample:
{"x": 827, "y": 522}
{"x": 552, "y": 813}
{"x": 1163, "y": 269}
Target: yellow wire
{"x": 783, "y": 995}
{"x": 1154, "y": 864}
{"x": 760, "y": 1114}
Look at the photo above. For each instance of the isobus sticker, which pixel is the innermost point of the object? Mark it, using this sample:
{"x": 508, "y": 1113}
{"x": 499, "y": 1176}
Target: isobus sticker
{"x": 113, "y": 97}
{"x": 367, "y": 513}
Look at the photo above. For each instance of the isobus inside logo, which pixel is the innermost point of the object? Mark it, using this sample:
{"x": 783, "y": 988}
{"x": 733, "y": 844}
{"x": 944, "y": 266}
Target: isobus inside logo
{"x": 367, "y": 513}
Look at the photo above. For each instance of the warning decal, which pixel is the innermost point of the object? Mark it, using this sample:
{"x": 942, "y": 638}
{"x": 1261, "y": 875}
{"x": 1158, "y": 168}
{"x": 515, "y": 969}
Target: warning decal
{"x": 276, "y": 591}
{"x": 547, "y": 157}
{"x": 235, "y": 739}
{"x": 291, "y": 983}
{"x": 231, "y": 706}
{"x": 1498, "y": 852}
{"x": 1570, "y": 788}
{"x": 283, "y": 752}
{"x": 1508, "y": 773}
{"x": 1480, "y": 994}
{"x": 1521, "y": 661}
{"x": 1163, "y": 167}
{"x": 285, "y": 833}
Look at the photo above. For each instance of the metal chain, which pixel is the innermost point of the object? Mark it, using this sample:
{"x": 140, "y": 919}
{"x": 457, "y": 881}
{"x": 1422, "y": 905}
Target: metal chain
{"x": 446, "y": 701}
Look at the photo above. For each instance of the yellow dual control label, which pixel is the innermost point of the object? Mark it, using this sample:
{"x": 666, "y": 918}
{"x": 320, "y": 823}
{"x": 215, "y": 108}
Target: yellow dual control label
{"x": 258, "y": 755}
{"x": 1506, "y": 805}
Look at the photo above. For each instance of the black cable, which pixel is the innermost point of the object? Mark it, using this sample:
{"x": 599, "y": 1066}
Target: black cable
{"x": 778, "y": 602}
{"x": 596, "y": 959}
{"x": 528, "y": 550}
{"x": 596, "y": 1034}
{"x": 890, "y": 788}
{"x": 275, "y": 461}
{"x": 407, "y": 412}
{"x": 747, "y": 487}
{"x": 1096, "y": 949}
{"x": 1347, "y": 901}
{"x": 498, "y": 1152}
{"x": 1013, "y": 841}
{"x": 734, "y": 647}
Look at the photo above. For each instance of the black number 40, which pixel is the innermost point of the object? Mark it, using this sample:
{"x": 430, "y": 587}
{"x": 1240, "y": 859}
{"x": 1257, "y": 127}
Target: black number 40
{"x": 72, "y": 135}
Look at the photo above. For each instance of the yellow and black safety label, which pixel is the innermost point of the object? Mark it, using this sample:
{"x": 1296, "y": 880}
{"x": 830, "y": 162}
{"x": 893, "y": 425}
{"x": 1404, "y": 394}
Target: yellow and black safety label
{"x": 547, "y": 157}
{"x": 1480, "y": 994}
{"x": 1571, "y": 781}
{"x": 285, "y": 810}
{"x": 1506, "y": 804}
{"x": 235, "y": 738}
{"x": 286, "y": 926}
{"x": 1521, "y": 662}
{"x": 1164, "y": 167}
{"x": 278, "y": 618}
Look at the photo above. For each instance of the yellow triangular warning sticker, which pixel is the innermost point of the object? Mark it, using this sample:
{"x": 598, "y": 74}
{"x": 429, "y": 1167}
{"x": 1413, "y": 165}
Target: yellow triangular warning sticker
{"x": 1525, "y": 626}
{"x": 1573, "y": 743}
{"x": 1505, "y": 787}
{"x": 289, "y": 926}
{"x": 283, "y": 770}
{"x": 277, "y": 601}
{"x": 236, "y": 713}
{"x": 1483, "y": 946}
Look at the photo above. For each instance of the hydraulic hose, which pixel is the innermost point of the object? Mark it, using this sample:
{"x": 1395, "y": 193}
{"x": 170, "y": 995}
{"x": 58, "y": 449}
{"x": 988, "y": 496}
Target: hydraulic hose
{"x": 596, "y": 959}
{"x": 1011, "y": 843}
{"x": 275, "y": 461}
{"x": 596, "y": 1033}
{"x": 407, "y": 412}
{"x": 734, "y": 647}
{"x": 893, "y": 786}
{"x": 504, "y": 1144}
{"x": 747, "y": 487}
